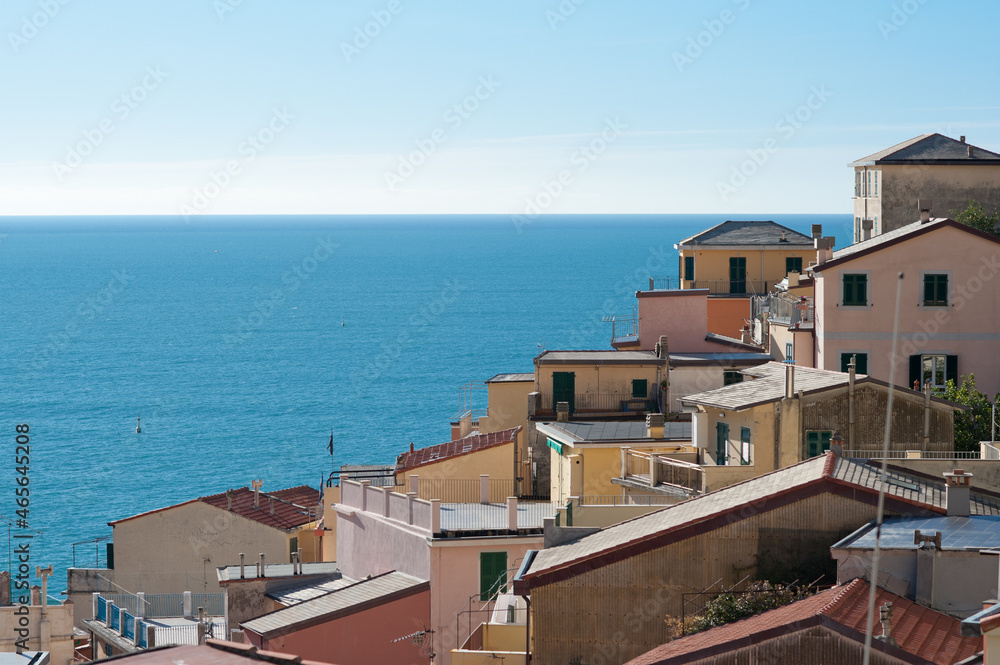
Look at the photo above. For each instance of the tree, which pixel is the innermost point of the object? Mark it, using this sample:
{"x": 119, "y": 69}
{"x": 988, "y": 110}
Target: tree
{"x": 973, "y": 425}
{"x": 976, "y": 216}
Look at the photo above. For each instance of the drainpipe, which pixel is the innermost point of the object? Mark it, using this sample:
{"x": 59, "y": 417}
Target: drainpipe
{"x": 850, "y": 402}
{"x": 527, "y": 629}
{"x": 927, "y": 415}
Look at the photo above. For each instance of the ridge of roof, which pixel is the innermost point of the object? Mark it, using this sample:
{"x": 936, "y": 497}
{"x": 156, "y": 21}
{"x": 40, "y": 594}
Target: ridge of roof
{"x": 929, "y": 149}
{"x": 413, "y": 459}
{"x": 749, "y": 232}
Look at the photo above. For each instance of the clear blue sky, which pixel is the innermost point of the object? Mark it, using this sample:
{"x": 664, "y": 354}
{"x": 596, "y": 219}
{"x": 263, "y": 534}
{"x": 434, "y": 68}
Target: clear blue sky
{"x": 337, "y": 120}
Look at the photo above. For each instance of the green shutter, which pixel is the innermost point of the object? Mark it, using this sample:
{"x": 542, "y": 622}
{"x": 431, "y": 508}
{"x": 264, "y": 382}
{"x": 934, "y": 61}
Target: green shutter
{"x": 744, "y": 445}
{"x": 855, "y": 290}
{"x": 639, "y": 388}
{"x": 793, "y": 264}
{"x": 860, "y": 362}
{"x": 689, "y": 267}
{"x": 936, "y": 290}
{"x": 492, "y": 573}
{"x": 817, "y": 442}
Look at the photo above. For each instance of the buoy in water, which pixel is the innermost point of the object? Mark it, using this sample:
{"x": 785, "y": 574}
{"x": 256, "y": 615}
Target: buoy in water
{"x": 138, "y": 430}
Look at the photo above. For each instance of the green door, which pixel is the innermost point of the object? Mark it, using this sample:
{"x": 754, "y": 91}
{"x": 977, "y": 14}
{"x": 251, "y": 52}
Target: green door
{"x": 737, "y": 274}
{"x": 563, "y": 389}
{"x": 721, "y": 443}
{"x": 817, "y": 442}
{"x": 492, "y": 573}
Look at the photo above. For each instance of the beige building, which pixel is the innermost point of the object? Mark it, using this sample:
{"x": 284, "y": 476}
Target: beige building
{"x": 937, "y": 171}
{"x": 178, "y": 548}
{"x": 46, "y": 628}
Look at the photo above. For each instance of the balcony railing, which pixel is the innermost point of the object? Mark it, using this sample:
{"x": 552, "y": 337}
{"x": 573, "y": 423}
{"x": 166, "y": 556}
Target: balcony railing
{"x": 731, "y": 287}
{"x": 458, "y": 490}
{"x": 914, "y": 454}
{"x": 657, "y": 470}
{"x": 627, "y": 500}
{"x": 623, "y": 328}
{"x": 604, "y": 403}
{"x": 134, "y": 627}
{"x": 786, "y": 309}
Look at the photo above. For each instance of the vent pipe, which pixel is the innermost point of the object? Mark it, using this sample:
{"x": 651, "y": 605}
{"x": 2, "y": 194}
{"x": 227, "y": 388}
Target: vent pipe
{"x": 243, "y": 575}
{"x": 789, "y": 380}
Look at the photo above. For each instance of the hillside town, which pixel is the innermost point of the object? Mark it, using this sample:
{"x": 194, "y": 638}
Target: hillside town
{"x": 781, "y": 421}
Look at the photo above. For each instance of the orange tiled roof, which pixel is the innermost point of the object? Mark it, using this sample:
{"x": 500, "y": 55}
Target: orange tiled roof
{"x": 464, "y": 446}
{"x": 293, "y": 507}
{"x": 918, "y": 630}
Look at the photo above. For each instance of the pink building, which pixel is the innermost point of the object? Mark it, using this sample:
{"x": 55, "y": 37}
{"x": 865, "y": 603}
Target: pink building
{"x": 949, "y": 308}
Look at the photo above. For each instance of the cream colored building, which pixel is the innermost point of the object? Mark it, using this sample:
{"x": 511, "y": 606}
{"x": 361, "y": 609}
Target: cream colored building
{"x": 49, "y": 628}
{"x": 937, "y": 171}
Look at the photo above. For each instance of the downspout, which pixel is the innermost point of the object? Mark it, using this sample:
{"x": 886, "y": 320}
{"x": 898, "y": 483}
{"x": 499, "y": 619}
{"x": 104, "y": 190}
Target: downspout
{"x": 850, "y": 404}
{"x": 527, "y": 629}
{"x": 927, "y": 415}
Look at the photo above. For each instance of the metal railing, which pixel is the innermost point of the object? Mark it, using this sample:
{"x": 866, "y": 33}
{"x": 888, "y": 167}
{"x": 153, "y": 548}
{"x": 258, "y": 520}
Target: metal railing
{"x": 115, "y": 616}
{"x": 655, "y": 470}
{"x": 99, "y": 552}
{"x": 664, "y": 283}
{"x": 988, "y": 451}
{"x": 179, "y": 635}
{"x": 784, "y": 308}
{"x": 128, "y": 626}
{"x": 623, "y": 327}
{"x": 913, "y": 454}
{"x": 618, "y": 403}
{"x": 459, "y": 490}
{"x": 626, "y": 500}
{"x": 731, "y": 287}
{"x": 493, "y": 517}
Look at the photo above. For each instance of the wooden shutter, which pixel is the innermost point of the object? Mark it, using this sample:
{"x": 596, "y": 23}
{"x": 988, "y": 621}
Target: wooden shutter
{"x": 492, "y": 573}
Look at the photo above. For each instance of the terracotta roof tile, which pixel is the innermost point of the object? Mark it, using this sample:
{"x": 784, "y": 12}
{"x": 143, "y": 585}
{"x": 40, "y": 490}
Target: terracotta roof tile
{"x": 293, "y": 507}
{"x": 470, "y": 444}
{"x": 918, "y": 630}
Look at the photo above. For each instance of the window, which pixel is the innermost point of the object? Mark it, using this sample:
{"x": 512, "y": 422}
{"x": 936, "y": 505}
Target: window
{"x": 857, "y": 184}
{"x": 935, "y": 290}
{"x": 492, "y": 573}
{"x": 793, "y": 264}
{"x": 689, "y": 267}
{"x": 875, "y": 193}
{"x": 789, "y": 351}
{"x": 293, "y": 547}
{"x": 869, "y": 190}
{"x": 860, "y": 362}
{"x": 936, "y": 368}
{"x": 639, "y": 388}
{"x": 730, "y": 377}
{"x": 721, "y": 444}
{"x": 744, "y": 445}
{"x": 818, "y": 442}
{"x": 855, "y": 290}
{"x": 857, "y": 229}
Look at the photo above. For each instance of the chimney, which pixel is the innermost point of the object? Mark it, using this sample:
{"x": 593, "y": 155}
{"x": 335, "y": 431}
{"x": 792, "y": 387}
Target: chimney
{"x": 229, "y": 499}
{"x": 662, "y": 347}
{"x": 783, "y": 238}
{"x": 263, "y": 568}
{"x": 270, "y": 500}
{"x": 411, "y": 446}
{"x": 298, "y": 557}
{"x": 654, "y": 425}
{"x": 256, "y": 484}
{"x": 789, "y": 379}
{"x": 243, "y": 574}
{"x": 824, "y": 248}
{"x": 866, "y": 229}
{"x": 36, "y": 594}
{"x": 970, "y": 151}
{"x": 885, "y": 617}
{"x": 961, "y": 139}
{"x": 928, "y": 549}
{"x": 817, "y": 231}
{"x": 958, "y": 488}
{"x": 924, "y": 206}
{"x": 562, "y": 412}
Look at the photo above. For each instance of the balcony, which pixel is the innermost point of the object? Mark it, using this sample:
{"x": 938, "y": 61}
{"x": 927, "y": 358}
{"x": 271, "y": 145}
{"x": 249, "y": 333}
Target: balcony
{"x": 655, "y": 472}
{"x": 134, "y": 622}
{"x": 716, "y": 287}
{"x": 624, "y": 329}
{"x": 787, "y": 310}
{"x": 591, "y": 405}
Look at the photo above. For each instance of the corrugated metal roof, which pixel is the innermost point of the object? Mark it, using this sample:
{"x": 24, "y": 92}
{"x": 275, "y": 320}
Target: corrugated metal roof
{"x": 293, "y": 594}
{"x": 619, "y": 430}
{"x": 749, "y": 233}
{"x": 347, "y": 600}
{"x": 442, "y": 451}
{"x": 920, "y": 491}
{"x": 918, "y": 630}
{"x": 957, "y": 533}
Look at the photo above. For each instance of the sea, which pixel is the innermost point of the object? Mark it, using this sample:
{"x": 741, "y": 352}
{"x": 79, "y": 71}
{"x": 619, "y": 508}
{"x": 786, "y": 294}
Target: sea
{"x": 245, "y": 343}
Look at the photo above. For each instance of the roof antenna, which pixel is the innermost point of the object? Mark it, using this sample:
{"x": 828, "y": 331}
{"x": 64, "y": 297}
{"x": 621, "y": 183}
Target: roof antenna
{"x": 873, "y": 586}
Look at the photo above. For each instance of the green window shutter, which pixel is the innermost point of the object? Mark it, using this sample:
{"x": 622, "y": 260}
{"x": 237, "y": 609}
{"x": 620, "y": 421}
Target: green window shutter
{"x": 818, "y": 442}
{"x": 793, "y": 264}
{"x": 856, "y": 290}
{"x": 639, "y": 388}
{"x": 744, "y": 445}
{"x": 689, "y": 267}
{"x": 861, "y": 364}
{"x": 731, "y": 377}
{"x": 936, "y": 290}
{"x": 492, "y": 573}
{"x": 845, "y": 361}
{"x": 914, "y": 371}
{"x": 951, "y": 369}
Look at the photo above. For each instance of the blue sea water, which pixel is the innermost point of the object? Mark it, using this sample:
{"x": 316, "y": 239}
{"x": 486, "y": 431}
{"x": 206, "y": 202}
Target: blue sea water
{"x": 242, "y": 342}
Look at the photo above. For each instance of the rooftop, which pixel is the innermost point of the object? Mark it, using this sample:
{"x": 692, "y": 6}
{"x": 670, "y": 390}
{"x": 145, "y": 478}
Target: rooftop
{"x": 597, "y": 357}
{"x": 977, "y": 532}
{"x": 748, "y": 233}
{"x": 213, "y": 652}
{"x": 618, "y": 430}
{"x": 727, "y": 359}
{"x": 335, "y": 604}
{"x": 918, "y": 630}
{"x": 906, "y": 492}
{"x": 442, "y": 451}
{"x": 291, "y": 508}
{"x": 512, "y": 378}
{"x": 293, "y": 594}
{"x": 276, "y": 571}
{"x": 930, "y": 148}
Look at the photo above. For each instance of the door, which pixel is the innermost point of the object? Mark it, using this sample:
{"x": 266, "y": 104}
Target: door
{"x": 737, "y": 274}
{"x": 721, "y": 443}
{"x": 492, "y": 573}
{"x": 563, "y": 389}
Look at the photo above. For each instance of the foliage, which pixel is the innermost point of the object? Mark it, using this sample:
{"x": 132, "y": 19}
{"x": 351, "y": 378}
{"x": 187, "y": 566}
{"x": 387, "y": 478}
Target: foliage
{"x": 976, "y": 216}
{"x": 733, "y": 606}
{"x": 971, "y": 426}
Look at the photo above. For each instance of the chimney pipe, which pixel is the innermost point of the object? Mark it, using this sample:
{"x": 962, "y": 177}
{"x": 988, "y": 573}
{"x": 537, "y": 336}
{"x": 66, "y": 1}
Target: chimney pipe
{"x": 263, "y": 567}
{"x": 958, "y": 490}
{"x": 817, "y": 231}
{"x": 299, "y": 553}
{"x": 867, "y": 225}
{"x": 885, "y": 617}
{"x": 229, "y": 499}
{"x": 924, "y": 206}
{"x": 256, "y": 484}
{"x": 242, "y": 568}
{"x": 961, "y": 139}
{"x": 789, "y": 380}
{"x": 970, "y": 151}
{"x": 270, "y": 500}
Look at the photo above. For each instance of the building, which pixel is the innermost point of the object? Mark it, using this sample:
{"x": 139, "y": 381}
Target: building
{"x": 605, "y": 595}
{"x": 783, "y": 414}
{"x": 949, "y": 305}
{"x": 248, "y": 593}
{"x": 892, "y": 185}
{"x": 466, "y": 552}
{"x": 34, "y": 625}
{"x": 380, "y": 619}
{"x": 215, "y": 652}
{"x": 830, "y": 628}
{"x": 935, "y": 561}
{"x": 177, "y": 548}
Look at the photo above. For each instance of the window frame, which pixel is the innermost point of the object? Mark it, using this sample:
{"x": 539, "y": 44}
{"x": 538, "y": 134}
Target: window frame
{"x": 745, "y": 445}
{"x": 689, "y": 268}
{"x": 924, "y": 274}
{"x": 868, "y": 289}
{"x": 789, "y": 268}
{"x": 845, "y": 358}
{"x": 644, "y": 383}
{"x": 924, "y": 357}
{"x": 820, "y": 436}
{"x": 731, "y": 376}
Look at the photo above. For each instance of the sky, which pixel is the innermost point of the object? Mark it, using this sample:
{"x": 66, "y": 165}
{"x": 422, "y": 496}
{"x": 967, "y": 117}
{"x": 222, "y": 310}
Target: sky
{"x": 520, "y": 107}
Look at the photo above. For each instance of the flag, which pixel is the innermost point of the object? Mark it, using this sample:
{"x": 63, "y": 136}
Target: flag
{"x": 329, "y": 446}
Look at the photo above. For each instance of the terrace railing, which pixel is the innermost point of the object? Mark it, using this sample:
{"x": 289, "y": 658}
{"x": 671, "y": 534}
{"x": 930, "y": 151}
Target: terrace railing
{"x": 605, "y": 403}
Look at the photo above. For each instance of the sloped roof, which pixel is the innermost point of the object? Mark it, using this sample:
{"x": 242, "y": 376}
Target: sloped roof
{"x": 213, "y": 652}
{"x": 978, "y": 532}
{"x": 464, "y": 446}
{"x": 902, "y": 234}
{"x": 618, "y": 430}
{"x": 906, "y": 492}
{"x": 748, "y": 233}
{"x": 292, "y": 594}
{"x": 513, "y": 377}
{"x": 930, "y": 148}
{"x": 292, "y": 507}
{"x": 606, "y": 357}
{"x": 918, "y": 630}
{"x": 357, "y": 597}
